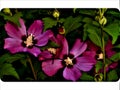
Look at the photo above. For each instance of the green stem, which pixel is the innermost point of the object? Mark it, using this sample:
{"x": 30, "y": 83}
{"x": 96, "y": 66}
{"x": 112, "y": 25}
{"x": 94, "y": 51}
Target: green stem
{"x": 103, "y": 50}
{"x": 32, "y": 68}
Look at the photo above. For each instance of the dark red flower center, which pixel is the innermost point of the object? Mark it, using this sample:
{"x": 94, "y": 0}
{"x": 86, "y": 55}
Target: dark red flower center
{"x": 28, "y": 41}
{"x": 69, "y": 60}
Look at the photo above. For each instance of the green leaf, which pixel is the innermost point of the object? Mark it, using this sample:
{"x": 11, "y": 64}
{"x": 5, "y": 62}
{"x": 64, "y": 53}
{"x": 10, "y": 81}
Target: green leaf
{"x": 9, "y": 58}
{"x": 115, "y": 57}
{"x": 113, "y": 30}
{"x": 87, "y": 20}
{"x": 93, "y": 34}
{"x": 87, "y": 12}
{"x": 90, "y": 21}
{"x": 15, "y": 18}
{"x": 115, "y": 13}
{"x": 71, "y": 24}
{"x": 112, "y": 76}
{"x": 41, "y": 76}
{"x": 49, "y": 22}
{"x": 117, "y": 46}
{"x": 7, "y": 69}
{"x": 98, "y": 66}
{"x": 24, "y": 62}
{"x": 86, "y": 77}
{"x": 61, "y": 20}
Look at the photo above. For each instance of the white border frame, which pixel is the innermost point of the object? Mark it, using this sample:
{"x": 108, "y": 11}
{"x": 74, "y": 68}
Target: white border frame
{"x": 59, "y": 85}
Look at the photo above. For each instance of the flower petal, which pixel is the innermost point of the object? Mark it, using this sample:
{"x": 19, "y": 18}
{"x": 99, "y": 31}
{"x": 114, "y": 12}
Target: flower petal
{"x": 113, "y": 65}
{"x": 89, "y": 53}
{"x": 85, "y": 63}
{"x": 42, "y": 39}
{"x": 78, "y": 48}
{"x": 36, "y": 28}
{"x": 108, "y": 49}
{"x": 92, "y": 46}
{"x": 50, "y": 67}
{"x": 35, "y": 51}
{"x": 45, "y": 55}
{"x": 14, "y": 31}
{"x": 12, "y": 46}
{"x": 61, "y": 40}
{"x": 22, "y": 27}
{"x": 71, "y": 73}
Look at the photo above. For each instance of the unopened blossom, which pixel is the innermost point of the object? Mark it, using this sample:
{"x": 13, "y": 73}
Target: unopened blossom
{"x": 71, "y": 61}
{"x": 22, "y": 40}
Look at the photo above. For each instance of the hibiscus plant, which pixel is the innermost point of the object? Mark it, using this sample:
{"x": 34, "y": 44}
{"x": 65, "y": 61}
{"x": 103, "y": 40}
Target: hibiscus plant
{"x": 60, "y": 44}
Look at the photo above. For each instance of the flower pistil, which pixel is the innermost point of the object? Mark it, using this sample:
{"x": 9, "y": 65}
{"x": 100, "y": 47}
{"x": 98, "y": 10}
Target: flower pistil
{"x": 68, "y": 61}
{"x": 29, "y": 40}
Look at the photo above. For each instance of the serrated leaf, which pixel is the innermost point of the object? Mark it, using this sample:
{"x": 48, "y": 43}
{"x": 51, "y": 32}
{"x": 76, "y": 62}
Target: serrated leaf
{"x": 90, "y": 21}
{"x": 93, "y": 34}
{"x": 7, "y": 69}
{"x": 113, "y": 31}
{"x": 112, "y": 76}
{"x": 86, "y": 77}
{"x": 71, "y": 24}
{"x": 49, "y": 22}
{"x": 15, "y": 18}
{"x": 115, "y": 57}
{"x": 98, "y": 66}
{"x": 9, "y": 58}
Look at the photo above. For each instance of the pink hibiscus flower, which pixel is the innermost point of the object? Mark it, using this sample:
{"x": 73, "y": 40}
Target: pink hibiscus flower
{"x": 21, "y": 40}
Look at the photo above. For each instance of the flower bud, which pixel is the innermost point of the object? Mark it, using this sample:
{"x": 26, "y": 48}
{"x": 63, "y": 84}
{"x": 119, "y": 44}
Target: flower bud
{"x": 7, "y": 11}
{"x": 103, "y": 21}
{"x": 56, "y": 14}
{"x": 98, "y": 77}
{"x": 61, "y": 30}
{"x": 97, "y": 18}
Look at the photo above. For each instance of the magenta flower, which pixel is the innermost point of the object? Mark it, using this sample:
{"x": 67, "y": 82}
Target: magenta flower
{"x": 108, "y": 49}
{"x": 93, "y": 49}
{"x": 53, "y": 52}
{"x": 71, "y": 61}
{"x": 21, "y": 40}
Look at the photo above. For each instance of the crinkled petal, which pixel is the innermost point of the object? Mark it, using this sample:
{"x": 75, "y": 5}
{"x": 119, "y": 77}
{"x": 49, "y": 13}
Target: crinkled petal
{"x": 35, "y": 51}
{"x": 13, "y": 45}
{"x": 85, "y": 63}
{"x": 63, "y": 45}
{"x": 13, "y": 30}
{"x": 43, "y": 39}
{"x": 45, "y": 55}
{"x": 36, "y": 28}
{"x": 78, "y": 48}
{"x": 50, "y": 67}
{"x": 71, "y": 73}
